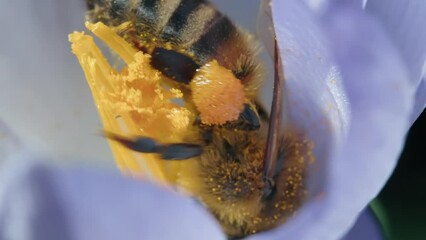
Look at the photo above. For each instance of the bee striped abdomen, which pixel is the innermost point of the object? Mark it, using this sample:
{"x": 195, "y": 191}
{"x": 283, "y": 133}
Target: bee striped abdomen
{"x": 220, "y": 31}
{"x": 194, "y": 27}
{"x": 146, "y": 12}
{"x": 179, "y": 20}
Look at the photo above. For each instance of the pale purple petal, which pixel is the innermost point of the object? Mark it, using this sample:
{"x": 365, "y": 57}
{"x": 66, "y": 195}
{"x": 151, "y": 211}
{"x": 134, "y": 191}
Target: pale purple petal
{"x": 380, "y": 99}
{"x": 405, "y": 22}
{"x": 314, "y": 101}
{"x": 44, "y": 203}
{"x": 44, "y": 96}
{"x": 366, "y": 227}
{"x": 321, "y": 6}
{"x": 420, "y": 102}
{"x": 10, "y": 144}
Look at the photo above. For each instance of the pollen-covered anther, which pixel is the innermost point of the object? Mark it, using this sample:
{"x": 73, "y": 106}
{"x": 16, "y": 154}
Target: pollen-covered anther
{"x": 217, "y": 94}
{"x": 136, "y": 94}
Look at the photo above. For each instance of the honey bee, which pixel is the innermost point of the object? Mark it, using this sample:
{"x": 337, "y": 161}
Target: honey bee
{"x": 250, "y": 169}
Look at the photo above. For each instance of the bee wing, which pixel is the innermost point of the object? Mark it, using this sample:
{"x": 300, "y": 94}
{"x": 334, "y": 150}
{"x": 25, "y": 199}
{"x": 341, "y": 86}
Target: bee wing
{"x": 274, "y": 122}
{"x": 265, "y": 26}
{"x": 265, "y": 29}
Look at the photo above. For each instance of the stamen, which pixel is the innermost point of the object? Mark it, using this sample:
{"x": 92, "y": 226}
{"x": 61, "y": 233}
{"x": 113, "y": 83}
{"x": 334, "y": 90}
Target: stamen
{"x": 132, "y": 102}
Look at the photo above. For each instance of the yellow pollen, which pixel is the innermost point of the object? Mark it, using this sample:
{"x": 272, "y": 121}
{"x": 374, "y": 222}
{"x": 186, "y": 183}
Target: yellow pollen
{"x": 135, "y": 94}
{"x": 217, "y": 94}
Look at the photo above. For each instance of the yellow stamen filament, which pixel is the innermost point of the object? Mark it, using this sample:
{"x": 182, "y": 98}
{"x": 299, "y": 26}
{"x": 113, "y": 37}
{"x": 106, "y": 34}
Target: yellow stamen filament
{"x": 132, "y": 102}
{"x": 108, "y": 36}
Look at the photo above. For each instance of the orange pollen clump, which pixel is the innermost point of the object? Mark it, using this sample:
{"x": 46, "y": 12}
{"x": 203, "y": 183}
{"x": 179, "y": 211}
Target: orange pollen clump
{"x": 217, "y": 94}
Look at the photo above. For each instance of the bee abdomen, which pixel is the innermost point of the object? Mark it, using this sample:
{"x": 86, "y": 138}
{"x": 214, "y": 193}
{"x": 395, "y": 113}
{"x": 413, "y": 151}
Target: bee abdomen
{"x": 220, "y": 31}
{"x": 194, "y": 27}
{"x": 189, "y": 24}
{"x": 180, "y": 20}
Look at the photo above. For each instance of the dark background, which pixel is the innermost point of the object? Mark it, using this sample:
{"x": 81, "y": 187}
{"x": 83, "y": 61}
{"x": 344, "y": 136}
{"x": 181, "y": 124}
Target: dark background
{"x": 402, "y": 203}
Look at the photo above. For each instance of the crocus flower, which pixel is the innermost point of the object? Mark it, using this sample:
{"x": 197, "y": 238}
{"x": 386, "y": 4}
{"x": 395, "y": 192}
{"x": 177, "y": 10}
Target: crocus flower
{"x": 353, "y": 82}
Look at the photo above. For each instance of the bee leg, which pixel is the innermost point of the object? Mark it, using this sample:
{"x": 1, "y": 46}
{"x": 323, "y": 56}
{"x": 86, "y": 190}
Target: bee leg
{"x": 139, "y": 144}
{"x": 207, "y": 135}
{"x": 279, "y": 162}
{"x": 248, "y": 120}
{"x": 263, "y": 114}
{"x": 180, "y": 151}
{"x": 269, "y": 189}
{"x": 174, "y": 65}
{"x": 173, "y": 151}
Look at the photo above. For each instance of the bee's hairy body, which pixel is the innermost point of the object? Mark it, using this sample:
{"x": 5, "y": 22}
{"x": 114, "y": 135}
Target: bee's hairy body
{"x": 229, "y": 172}
{"x": 193, "y": 27}
{"x": 231, "y": 182}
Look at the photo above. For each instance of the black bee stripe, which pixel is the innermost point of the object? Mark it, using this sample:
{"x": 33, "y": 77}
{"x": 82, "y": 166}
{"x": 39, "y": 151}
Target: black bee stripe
{"x": 147, "y": 12}
{"x": 221, "y": 29}
{"x": 179, "y": 20}
{"x": 118, "y": 8}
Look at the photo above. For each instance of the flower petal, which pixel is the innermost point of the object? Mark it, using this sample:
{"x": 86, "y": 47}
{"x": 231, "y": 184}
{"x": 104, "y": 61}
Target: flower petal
{"x": 314, "y": 100}
{"x": 366, "y": 227}
{"x": 40, "y": 202}
{"x": 373, "y": 76}
{"x": 405, "y": 22}
{"x": 50, "y": 106}
{"x": 10, "y": 144}
{"x": 321, "y": 6}
{"x": 420, "y": 102}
